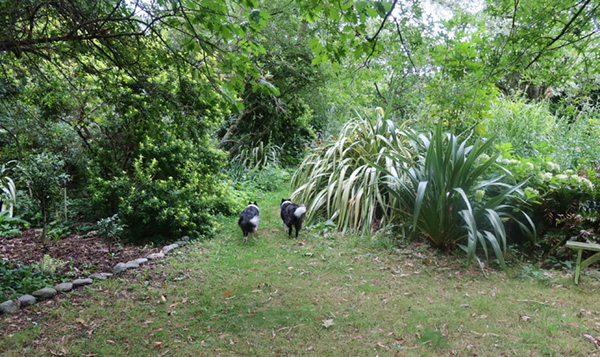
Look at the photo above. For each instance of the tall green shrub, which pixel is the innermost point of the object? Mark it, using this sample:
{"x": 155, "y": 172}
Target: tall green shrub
{"x": 174, "y": 189}
{"x": 45, "y": 176}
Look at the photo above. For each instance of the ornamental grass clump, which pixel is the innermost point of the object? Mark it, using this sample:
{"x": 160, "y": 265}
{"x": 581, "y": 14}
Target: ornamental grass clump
{"x": 339, "y": 179}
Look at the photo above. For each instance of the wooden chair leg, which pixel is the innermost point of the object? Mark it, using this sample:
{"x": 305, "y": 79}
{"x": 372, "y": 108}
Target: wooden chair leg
{"x": 578, "y": 266}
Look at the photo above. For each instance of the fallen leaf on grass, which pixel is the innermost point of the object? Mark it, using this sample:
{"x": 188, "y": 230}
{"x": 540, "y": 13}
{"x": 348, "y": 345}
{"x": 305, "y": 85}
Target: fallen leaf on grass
{"x": 525, "y": 317}
{"x": 81, "y": 321}
{"x": 110, "y": 341}
{"x": 573, "y": 324}
{"x": 595, "y": 340}
{"x": 157, "y": 345}
{"x": 227, "y": 293}
{"x": 382, "y": 345}
{"x": 328, "y": 323}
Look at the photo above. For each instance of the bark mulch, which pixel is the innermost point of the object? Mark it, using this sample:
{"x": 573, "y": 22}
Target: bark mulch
{"x": 84, "y": 254}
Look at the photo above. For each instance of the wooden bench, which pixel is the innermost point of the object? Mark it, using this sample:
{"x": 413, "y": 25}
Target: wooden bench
{"x": 580, "y": 247}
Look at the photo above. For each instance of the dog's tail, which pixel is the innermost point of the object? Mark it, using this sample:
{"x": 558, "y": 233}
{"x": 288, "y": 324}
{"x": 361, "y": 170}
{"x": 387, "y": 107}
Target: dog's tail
{"x": 300, "y": 211}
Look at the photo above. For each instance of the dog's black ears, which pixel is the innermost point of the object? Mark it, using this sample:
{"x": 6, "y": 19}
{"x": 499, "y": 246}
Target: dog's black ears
{"x": 282, "y": 200}
{"x": 249, "y": 202}
{"x": 256, "y": 204}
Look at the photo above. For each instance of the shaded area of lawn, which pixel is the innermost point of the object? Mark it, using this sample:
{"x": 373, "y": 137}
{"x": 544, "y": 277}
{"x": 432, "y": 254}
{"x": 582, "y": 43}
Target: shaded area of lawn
{"x": 325, "y": 294}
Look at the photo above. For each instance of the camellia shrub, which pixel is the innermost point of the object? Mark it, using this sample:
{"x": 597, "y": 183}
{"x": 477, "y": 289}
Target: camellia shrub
{"x": 174, "y": 189}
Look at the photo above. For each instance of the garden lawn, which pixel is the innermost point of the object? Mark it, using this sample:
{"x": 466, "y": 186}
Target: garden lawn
{"x": 324, "y": 294}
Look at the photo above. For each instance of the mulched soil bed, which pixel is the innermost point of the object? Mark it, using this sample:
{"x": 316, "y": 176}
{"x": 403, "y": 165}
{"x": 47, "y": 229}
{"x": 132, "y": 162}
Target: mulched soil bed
{"x": 84, "y": 254}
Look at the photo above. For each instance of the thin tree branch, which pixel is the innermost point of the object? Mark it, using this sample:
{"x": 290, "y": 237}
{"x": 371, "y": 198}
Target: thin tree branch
{"x": 561, "y": 34}
{"x": 376, "y": 36}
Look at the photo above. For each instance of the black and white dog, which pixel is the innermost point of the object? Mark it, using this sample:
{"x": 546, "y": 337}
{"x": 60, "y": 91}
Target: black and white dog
{"x": 292, "y": 215}
{"x": 248, "y": 221}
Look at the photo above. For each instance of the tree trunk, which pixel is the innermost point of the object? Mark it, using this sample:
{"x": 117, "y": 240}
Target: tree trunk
{"x": 44, "y": 223}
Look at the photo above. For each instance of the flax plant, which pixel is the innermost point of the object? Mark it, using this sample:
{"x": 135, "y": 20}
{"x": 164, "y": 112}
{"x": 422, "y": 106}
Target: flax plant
{"x": 438, "y": 191}
{"x": 339, "y": 180}
{"x": 258, "y": 156}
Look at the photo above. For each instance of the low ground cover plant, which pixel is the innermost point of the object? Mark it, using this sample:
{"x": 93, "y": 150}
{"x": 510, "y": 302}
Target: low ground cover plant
{"x": 17, "y": 278}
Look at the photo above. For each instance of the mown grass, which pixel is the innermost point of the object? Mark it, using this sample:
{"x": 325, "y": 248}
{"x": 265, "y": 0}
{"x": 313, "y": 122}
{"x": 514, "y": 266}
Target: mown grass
{"x": 326, "y": 294}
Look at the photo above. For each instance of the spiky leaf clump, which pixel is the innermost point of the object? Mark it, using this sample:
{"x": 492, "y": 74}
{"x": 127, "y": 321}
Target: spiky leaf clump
{"x": 340, "y": 180}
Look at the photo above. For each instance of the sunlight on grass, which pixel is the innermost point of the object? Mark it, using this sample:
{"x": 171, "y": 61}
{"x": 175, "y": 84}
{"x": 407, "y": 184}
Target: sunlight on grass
{"x": 324, "y": 294}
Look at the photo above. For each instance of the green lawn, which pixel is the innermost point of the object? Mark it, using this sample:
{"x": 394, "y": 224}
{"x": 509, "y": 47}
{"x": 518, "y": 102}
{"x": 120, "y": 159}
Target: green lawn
{"x": 325, "y": 294}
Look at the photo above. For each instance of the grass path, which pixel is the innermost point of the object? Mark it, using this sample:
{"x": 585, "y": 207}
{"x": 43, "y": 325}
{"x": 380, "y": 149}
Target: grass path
{"x": 325, "y": 294}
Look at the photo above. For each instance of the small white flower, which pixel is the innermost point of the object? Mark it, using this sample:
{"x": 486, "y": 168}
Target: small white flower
{"x": 530, "y": 166}
{"x": 562, "y": 177}
{"x": 513, "y": 161}
{"x": 532, "y": 191}
{"x": 547, "y": 176}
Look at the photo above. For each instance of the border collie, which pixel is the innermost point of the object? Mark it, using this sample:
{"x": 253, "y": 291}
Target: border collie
{"x": 248, "y": 221}
{"x": 292, "y": 215}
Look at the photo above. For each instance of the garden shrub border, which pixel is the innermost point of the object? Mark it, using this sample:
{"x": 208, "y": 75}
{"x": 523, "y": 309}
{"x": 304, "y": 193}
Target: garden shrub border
{"x": 12, "y": 306}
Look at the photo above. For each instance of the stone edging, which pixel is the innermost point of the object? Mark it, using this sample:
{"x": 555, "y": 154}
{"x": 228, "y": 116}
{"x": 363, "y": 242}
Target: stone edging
{"x": 11, "y": 306}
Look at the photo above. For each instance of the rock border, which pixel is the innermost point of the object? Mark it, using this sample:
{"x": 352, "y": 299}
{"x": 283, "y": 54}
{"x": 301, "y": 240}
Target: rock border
{"x": 12, "y": 306}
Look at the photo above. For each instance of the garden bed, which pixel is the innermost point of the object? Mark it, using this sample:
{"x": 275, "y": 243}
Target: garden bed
{"x": 83, "y": 254}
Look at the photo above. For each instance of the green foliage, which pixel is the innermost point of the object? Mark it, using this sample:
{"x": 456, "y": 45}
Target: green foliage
{"x": 49, "y": 265}
{"x": 561, "y": 203}
{"x": 524, "y": 125}
{"x": 9, "y": 226}
{"x": 45, "y": 176}
{"x": 443, "y": 193}
{"x": 17, "y": 278}
{"x": 576, "y": 138}
{"x": 110, "y": 229}
{"x": 173, "y": 190}
{"x": 257, "y": 157}
{"x": 340, "y": 179}
{"x": 251, "y": 182}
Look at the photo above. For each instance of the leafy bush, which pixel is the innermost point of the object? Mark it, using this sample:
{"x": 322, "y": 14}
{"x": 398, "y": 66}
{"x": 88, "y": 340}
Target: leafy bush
{"x": 547, "y": 185}
{"x": 340, "y": 179}
{"x": 576, "y": 139}
{"x": 44, "y": 175}
{"x": 449, "y": 198}
{"x": 111, "y": 230}
{"x": 174, "y": 189}
{"x": 17, "y": 278}
{"x": 563, "y": 204}
{"x": 522, "y": 124}
{"x": 527, "y": 126}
